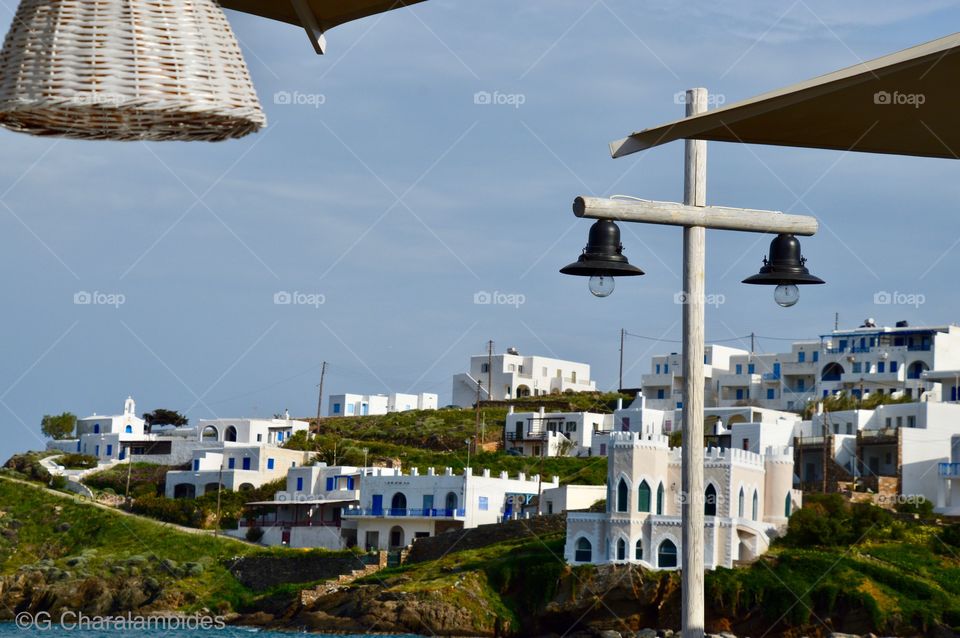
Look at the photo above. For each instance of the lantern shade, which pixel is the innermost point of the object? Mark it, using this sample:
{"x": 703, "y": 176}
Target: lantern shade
{"x": 126, "y": 70}
{"x": 785, "y": 266}
{"x": 603, "y": 255}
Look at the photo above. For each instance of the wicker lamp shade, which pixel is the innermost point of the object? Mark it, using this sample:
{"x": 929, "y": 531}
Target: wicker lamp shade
{"x": 126, "y": 70}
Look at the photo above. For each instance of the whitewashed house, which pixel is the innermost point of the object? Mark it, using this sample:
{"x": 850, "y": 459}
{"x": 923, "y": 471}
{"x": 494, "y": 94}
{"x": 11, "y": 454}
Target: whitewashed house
{"x": 545, "y": 433}
{"x": 103, "y": 436}
{"x": 308, "y": 513}
{"x": 663, "y": 387}
{"x": 512, "y": 375}
{"x": 235, "y": 467}
{"x": 395, "y": 510}
{"x": 379, "y": 404}
{"x": 747, "y": 499}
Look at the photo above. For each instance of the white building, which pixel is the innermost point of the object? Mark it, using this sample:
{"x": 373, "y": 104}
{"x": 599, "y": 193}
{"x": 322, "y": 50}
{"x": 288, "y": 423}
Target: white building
{"x": 663, "y": 387}
{"x": 309, "y": 512}
{"x": 377, "y": 404}
{"x": 900, "y": 361}
{"x": 235, "y": 467}
{"x": 568, "y": 498}
{"x": 554, "y": 433}
{"x": 747, "y": 500}
{"x": 895, "y": 451}
{"x": 513, "y": 375}
{"x": 396, "y": 510}
{"x": 269, "y": 431}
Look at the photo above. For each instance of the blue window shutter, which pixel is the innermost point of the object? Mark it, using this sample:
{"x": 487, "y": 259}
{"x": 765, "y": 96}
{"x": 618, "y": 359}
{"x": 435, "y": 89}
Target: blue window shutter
{"x": 246, "y": 463}
{"x": 299, "y": 483}
{"x": 349, "y": 482}
{"x": 279, "y": 436}
{"x": 770, "y": 393}
{"x": 270, "y": 463}
{"x": 196, "y": 465}
{"x": 231, "y": 463}
{"x": 109, "y": 450}
{"x": 816, "y": 356}
{"x": 329, "y": 484}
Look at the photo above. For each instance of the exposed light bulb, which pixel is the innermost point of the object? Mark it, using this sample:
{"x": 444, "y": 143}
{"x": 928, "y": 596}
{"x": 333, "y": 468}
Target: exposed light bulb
{"x": 601, "y": 285}
{"x": 786, "y": 295}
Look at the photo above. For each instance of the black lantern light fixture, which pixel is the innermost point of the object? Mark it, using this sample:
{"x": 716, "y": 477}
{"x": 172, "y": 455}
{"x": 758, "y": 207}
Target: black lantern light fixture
{"x": 602, "y": 259}
{"x": 786, "y": 269}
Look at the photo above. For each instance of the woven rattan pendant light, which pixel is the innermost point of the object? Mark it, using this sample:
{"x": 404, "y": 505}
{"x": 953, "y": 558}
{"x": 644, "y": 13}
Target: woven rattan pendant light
{"x": 126, "y": 70}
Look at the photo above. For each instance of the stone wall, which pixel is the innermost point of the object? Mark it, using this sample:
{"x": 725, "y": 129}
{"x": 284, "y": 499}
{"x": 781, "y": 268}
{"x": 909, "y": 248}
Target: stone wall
{"x": 435, "y": 547}
{"x": 263, "y": 572}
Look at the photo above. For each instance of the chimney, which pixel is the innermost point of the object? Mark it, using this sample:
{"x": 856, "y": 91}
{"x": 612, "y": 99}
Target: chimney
{"x": 619, "y": 403}
{"x": 543, "y": 410}
{"x": 509, "y": 409}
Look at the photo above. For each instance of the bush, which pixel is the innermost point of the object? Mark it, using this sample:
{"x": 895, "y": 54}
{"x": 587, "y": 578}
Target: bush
{"x": 920, "y": 506}
{"x": 29, "y": 466}
{"x": 183, "y": 512}
{"x": 827, "y": 520}
{"x": 255, "y": 534}
{"x": 78, "y": 461}
{"x": 58, "y": 483}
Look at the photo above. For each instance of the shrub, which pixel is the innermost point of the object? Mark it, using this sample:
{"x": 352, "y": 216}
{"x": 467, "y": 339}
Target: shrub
{"x": 255, "y": 534}
{"x": 58, "y": 483}
{"x": 78, "y": 461}
{"x": 921, "y": 506}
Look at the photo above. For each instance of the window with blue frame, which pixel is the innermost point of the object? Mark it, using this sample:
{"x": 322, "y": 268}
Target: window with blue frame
{"x": 739, "y": 368}
{"x": 659, "y": 394}
{"x": 666, "y": 368}
{"x": 299, "y": 483}
{"x": 816, "y": 356}
{"x": 893, "y": 366}
{"x": 329, "y": 483}
{"x": 246, "y": 463}
{"x": 196, "y": 465}
{"x": 881, "y": 365}
{"x": 658, "y": 368}
{"x": 231, "y": 463}
{"x": 128, "y": 429}
{"x": 801, "y": 356}
{"x": 336, "y": 408}
{"x": 752, "y": 368}
{"x": 350, "y": 483}
{"x": 801, "y": 385}
{"x": 96, "y": 451}
{"x": 857, "y": 366}
{"x": 771, "y": 393}
{"x": 270, "y": 464}
{"x": 279, "y": 437}
{"x": 842, "y": 345}
{"x": 96, "y": 428}
{"x": 109, "y": 450}
{"x": 484, "y": 503}
{"x": 739, "y": 394}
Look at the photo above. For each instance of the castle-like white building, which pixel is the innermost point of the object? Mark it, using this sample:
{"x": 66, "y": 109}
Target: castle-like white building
{"x": 747, "y": 499}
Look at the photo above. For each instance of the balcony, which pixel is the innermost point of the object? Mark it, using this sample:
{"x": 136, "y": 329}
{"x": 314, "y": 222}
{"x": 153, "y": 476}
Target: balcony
{"x": 390, "y": 512}
{"x": 922, "y": 347}
{"x": 799, "y": 367}
{"x": 771, "y": 376}
{"x": 528, "y": 436}
{"x": 298, "y": 523}
{"x": 854, "y": 378}
{"x": 949, "y": 470}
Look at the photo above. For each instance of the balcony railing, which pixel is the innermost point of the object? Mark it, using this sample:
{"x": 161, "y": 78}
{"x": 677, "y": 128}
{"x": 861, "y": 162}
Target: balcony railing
{"x": 406, "y": 512}
{"x": 922, "y": 347}
{"x": 950, "y": 470}
{"x": 528, "y": 436}
{"x": 301, "y": 523}
{"x": 771, "y": 376}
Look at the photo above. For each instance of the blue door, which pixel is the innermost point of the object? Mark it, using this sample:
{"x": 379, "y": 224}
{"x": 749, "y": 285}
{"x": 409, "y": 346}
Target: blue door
{"x": 377, "y": 504}
{"x": 246, "y": 463}
{"x": 776, "y": 370}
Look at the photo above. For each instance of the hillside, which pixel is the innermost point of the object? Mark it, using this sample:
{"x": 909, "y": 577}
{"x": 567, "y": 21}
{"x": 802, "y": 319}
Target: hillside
{"x": 59, "y": 551}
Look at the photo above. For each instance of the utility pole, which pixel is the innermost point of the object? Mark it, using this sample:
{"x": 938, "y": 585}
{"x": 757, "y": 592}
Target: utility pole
{"x": 323, "y": 373}
{"x": 490, "y": 369}
{"x": 477, "y": 424}
{"x": 129, "y": 470}
{"x": 694, "y": 265}
{"x": 753, "y": 340}
{"x": 622, "y": 333}
{"x": 836, "y": 321}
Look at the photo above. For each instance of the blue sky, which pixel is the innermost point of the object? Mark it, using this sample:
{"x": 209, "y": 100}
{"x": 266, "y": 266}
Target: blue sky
{"x": 386, "y": 192}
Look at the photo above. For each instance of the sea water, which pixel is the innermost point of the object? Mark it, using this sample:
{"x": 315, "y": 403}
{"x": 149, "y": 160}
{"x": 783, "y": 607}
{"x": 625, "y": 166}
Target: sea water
{"x": 55, "y": 630}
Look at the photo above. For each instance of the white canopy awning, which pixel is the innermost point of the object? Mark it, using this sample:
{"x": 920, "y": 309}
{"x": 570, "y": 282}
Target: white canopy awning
{"x": 905, "y": 103}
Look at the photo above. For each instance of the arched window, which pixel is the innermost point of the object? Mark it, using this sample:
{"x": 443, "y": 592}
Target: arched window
{"x": 398, "y": 504}
{"x": 660, "y": 499}
{"x": 756, "y": 505}
{"x": 622, "y": 496}
{"x": 788, "y": 506}
{"x": 740, "y": 504}
{"x": 451, "y": 501}
{"x": 644, "y": 497}
{"x": 96, "y": 428}
{"x": 639, "y": 549}
{"x": 710, "y": 501}
{"x": 128, "y": 429}
{"x": 667, "y": 555}
{"x": 584, "y": 551}
{"x": 621, "y": 549}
